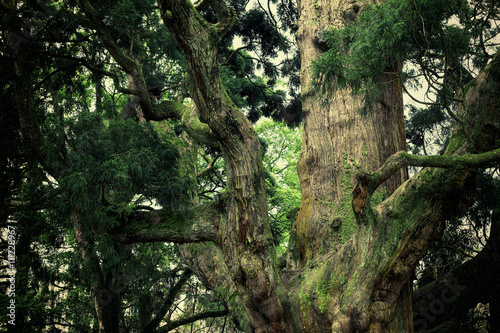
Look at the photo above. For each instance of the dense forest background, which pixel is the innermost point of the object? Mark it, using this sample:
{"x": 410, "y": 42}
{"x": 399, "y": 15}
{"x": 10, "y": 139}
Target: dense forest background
{"x": 112, "y": 186}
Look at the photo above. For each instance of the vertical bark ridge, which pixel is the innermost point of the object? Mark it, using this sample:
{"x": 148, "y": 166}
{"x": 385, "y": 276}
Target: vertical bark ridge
{"x": 338, "y": 141}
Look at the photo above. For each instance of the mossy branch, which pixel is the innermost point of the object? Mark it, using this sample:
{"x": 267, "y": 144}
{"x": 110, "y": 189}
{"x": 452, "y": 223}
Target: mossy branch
{"x": 196, "y": 226}
{"x": 402, "y": 159}
{"x": 189, "y": 117}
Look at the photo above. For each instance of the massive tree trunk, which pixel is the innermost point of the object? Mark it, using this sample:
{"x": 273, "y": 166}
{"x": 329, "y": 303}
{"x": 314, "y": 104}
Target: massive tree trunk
{"x": 360, "y": 232}
{"x": 362, "y": 226}
{"x": 358, "y": 255}
{"x": 338, "y": 143}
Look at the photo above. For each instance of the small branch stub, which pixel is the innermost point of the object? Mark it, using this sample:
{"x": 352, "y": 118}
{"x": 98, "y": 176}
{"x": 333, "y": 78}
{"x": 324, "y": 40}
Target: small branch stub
{"x": 360, "y": 193}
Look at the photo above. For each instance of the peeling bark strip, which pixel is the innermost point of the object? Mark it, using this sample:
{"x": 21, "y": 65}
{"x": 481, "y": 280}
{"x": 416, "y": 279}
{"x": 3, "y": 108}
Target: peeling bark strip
{"x": 244, "y": 228}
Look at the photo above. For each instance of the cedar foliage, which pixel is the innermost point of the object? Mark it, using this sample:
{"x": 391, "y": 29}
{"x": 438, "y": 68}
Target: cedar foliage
{"x": 103, "y": 161}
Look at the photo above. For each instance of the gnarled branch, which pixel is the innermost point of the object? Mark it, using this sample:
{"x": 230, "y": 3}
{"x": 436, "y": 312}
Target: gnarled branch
{"x": 188, "y": 115}
{"x": 402, "y": 159}
{"x": 195, "y": 226}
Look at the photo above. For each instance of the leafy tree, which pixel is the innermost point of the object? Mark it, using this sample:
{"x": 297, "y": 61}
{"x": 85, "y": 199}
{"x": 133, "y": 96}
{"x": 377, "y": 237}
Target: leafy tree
{"x": 112, "y": 181}
{"x": 100, "y": 172}
{"x": 281, "y": 149}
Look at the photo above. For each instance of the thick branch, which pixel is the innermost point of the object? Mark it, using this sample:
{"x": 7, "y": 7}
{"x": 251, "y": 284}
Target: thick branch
{"x": 188, "y": 115}
{"x": 457, "y": 292}
{"x": 402, "y": 159}
{"x": 196, "y": 226}
{"x": 461, "y": 289}
{"x": 247, "y": 248}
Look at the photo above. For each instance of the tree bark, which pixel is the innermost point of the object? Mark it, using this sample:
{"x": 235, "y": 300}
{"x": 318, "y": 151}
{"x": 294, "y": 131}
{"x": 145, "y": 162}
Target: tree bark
{"x": 247, "y": 250}
{"x": 357, "y": 256}
{"x": 360, "y": 234}
{"x": 338, "y": 143}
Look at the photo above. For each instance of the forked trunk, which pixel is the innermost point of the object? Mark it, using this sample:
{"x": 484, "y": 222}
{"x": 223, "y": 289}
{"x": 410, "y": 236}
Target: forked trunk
{"x": 357, "y": 251}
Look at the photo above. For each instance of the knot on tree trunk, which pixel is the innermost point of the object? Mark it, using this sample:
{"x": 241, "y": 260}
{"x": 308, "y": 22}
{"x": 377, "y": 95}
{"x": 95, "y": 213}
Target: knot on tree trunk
{"x": 360, "y": 193}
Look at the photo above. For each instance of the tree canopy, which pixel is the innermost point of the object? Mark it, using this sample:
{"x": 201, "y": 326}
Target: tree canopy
{"x": 175, "y": 165}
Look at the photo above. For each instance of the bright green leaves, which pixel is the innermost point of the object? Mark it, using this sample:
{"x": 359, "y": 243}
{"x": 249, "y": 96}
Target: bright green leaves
{"x": 282, "y": 149}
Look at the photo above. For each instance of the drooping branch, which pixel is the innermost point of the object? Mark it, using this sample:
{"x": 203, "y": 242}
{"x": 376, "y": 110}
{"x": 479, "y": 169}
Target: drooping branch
{"x": 84, "y": 62}
{"x": 166, "y": 109}
{"x": 128, "y": 64}
{"x": 196, "y": 226}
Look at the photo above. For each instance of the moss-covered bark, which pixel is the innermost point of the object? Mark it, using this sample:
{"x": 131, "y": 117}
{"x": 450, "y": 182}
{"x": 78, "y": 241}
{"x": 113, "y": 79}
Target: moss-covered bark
{"x": 339, "y": 143}
{"x": 358, "y": 250}
{"x": 246, "y": 254}
{"x": 362, "y": 226}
